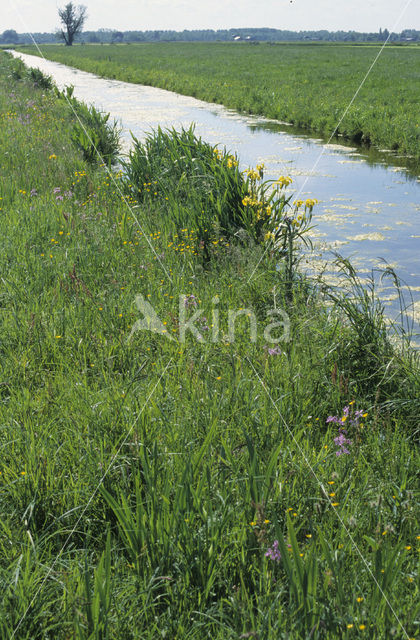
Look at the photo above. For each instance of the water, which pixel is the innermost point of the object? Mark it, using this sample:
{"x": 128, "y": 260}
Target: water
{"x": 369, "y": 201}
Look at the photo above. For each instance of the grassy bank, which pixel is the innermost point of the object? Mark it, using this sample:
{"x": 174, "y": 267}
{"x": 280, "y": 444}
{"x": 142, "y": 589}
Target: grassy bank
{"x": 155, "y": 488}
{"x": 308, "y": 85}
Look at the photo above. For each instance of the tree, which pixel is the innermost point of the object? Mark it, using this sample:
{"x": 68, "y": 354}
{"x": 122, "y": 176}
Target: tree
{"x": 72, "y": 18}
{"x": 9, "y": 37}
{"x": 92, "y": 37}
{"x": 117, "y": 36}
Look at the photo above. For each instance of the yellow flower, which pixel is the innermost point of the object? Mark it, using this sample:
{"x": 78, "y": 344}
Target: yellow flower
{"x": 52, "y": 157}
{"x": 284, "y": 181}
{"x": 359, "y": 599}
{"x": 362, "y": 626}
{"x": 350, "y": 626}
{"x": 252, "y": 174}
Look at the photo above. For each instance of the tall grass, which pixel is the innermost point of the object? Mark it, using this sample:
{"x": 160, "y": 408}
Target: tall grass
{"x": 195, "y": 184}
{"x": 136, "y": 505}
{"x": 93, "y": 134}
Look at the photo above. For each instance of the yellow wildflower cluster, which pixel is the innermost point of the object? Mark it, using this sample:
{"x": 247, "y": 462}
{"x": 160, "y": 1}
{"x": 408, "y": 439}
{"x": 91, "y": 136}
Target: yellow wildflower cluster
{"x": 231, "y": 160}
{"x": 309, "y": 203}
{"x": 262, "y": 209}
{"x": 253, "y": 174}
{"x": 251, "y": 201}
{"x": 78, "y": 175}
{"x": 283, "y": 181}
{"x": 8, "y": 115}
{"x": 185, "y": 242}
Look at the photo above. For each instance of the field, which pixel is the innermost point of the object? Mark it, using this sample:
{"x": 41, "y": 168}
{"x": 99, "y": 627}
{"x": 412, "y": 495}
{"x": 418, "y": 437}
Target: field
{"x": 220, "y": 488}
{"x": 309, "y": 85}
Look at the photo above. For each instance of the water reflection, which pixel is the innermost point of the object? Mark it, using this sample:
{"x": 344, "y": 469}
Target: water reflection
{"x": 370, "y": 155}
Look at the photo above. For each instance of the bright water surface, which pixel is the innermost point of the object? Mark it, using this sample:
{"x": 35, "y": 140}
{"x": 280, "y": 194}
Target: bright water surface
{"x": 369, "y": 206}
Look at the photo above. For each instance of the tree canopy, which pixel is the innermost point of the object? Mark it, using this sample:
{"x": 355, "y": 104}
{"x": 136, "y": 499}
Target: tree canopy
{"x": 72, "y": 18}
{"x": 9, "y": 37}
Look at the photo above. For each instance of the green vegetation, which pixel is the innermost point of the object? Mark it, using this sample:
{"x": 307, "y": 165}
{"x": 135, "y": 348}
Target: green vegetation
{"x": 221, "y": 35}
{"x": 153, "y": 488}
{"x": 308, "y": 85}
{"x": 92, "y": 133}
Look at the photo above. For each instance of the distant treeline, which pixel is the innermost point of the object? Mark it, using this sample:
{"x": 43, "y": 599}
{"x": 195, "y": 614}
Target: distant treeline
{"x": 107, "y": 36}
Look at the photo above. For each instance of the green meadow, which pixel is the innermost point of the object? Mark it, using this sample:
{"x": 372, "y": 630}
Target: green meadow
{"x": 213, "y": 486}
{"x": 309, "y": 85}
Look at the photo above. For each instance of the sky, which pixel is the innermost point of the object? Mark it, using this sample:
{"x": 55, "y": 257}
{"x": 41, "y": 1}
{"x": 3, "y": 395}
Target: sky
{"x": 295, "y": 15}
